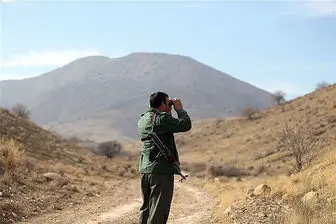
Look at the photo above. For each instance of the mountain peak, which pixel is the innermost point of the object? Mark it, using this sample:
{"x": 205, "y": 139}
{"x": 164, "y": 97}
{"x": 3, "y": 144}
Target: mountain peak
{"x": 91, "y": 58}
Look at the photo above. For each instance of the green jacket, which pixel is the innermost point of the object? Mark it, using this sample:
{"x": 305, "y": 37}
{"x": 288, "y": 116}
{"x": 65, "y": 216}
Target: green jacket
{"x": 164, "y": 126}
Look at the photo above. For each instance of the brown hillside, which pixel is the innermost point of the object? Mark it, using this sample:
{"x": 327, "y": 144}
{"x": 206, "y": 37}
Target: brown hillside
{"x": 40, "y": 172}
{"x": 39, "y": 143}
{"x": 252, "y": 144}
{"x": 247, "y": 151}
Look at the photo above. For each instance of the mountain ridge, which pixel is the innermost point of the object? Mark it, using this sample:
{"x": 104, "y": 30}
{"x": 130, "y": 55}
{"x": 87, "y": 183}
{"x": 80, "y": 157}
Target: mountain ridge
{"x": 95, "y": 90}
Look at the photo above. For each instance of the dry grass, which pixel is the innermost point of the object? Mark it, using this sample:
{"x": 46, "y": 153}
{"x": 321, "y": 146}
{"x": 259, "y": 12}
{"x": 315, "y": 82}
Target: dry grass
{"x": 320, "y": 177}
{"x": 253, "y": 145}
{"x": 41, "y": 172}
{"x": 305, "y": 214}
{"x": 11, "y": 155}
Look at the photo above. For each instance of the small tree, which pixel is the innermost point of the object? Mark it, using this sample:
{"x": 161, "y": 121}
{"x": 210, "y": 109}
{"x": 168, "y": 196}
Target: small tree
{"x": 279, "y": 96}
{"x": 21, "y": 110}
{"x": 110, "y": 148}
{"x": 302, "y": 144}
{"x": 321, "y": 85}
{"x": 249, "y": 112}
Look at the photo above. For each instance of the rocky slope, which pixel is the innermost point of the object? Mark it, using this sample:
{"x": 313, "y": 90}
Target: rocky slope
{"x": 236, "y": 155}
{"x": 253, "y": 145}
{"x": 41, "y": 172}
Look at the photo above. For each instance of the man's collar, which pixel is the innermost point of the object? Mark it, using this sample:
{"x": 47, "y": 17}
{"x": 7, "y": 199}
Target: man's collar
{"x": 151, "y": 109}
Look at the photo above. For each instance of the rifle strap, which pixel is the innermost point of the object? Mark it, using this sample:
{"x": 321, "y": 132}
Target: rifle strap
{"x": 153, "y": 120}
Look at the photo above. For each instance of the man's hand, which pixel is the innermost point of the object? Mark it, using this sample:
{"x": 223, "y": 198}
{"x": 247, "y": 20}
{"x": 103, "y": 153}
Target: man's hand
{"x": 177, "y": 104}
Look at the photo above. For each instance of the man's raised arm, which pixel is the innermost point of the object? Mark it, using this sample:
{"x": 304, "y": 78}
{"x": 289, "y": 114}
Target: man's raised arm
{"x": 170, "y": 124}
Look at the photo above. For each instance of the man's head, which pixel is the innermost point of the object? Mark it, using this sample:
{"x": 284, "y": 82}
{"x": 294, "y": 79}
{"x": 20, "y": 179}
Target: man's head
{"x": 160, "y": 101}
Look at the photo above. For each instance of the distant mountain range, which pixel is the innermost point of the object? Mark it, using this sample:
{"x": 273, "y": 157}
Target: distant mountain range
{"x": 101, "y": 98}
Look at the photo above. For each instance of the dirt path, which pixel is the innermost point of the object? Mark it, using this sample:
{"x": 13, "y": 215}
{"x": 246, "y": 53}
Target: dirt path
{"x": 190, "y": 205}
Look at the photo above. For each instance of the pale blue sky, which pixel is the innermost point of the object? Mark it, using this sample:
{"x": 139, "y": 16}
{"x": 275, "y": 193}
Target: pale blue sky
{"x": 279, "y": 45}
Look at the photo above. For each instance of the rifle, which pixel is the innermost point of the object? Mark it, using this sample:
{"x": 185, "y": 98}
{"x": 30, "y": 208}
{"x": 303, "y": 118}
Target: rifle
{"x": 163, "y": 149}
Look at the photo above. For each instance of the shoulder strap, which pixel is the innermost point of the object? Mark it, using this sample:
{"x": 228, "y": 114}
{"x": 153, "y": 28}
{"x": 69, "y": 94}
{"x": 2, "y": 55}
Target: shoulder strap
{"x": 153, "y": 120}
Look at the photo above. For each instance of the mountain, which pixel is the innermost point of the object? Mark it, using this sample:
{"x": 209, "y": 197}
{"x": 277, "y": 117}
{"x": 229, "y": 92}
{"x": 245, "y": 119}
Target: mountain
{"x": 101, "y": 98}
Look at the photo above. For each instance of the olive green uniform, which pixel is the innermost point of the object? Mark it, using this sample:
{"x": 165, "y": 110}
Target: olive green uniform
{"x": 157, "y": 182}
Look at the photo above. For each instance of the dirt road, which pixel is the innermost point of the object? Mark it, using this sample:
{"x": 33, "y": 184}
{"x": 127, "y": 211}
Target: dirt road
{"x": 190, "y": 205}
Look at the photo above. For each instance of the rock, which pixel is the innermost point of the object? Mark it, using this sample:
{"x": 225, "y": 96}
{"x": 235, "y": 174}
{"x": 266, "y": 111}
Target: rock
{"x": 58, "y": 179}
{"x": 73, "y": 188}
{"x": 52, "y": 176}
{"x": 332, "y": 200}
{"x": 285, "y": 198}
{"x": 310, "y": 198}
{"x": 89, "y": 194}
{"x": 250, "y": 193}
{"x": 1, "y": 194}
{"x": 221, "y": 179}
{"x": 262, "y": 214}
{"x": 262, "y": 190}
{"x": 227, "y": 210}
{"x": 255, "y": 210}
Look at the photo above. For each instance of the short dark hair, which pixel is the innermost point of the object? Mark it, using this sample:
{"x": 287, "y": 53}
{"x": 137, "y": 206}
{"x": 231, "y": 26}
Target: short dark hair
{"x": 157, "y": 98}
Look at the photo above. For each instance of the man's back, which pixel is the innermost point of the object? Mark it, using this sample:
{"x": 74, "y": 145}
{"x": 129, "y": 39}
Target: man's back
{"x": 164, "y": 125}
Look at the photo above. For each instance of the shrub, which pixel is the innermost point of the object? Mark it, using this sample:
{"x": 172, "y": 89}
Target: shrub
{"x": 11, "y": 155}
{"x": 321, "y": 85}
{"x": 278, "y": 96}
{"x": 302, "y": 144}
{"x": 109, "y": 149}
{"x": 227, "y": 170}
{"x": 21, "y": 110}
{"x": 249, "y": 112}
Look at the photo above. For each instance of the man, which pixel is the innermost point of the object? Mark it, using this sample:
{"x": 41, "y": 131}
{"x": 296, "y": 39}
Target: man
{"x": 157, "y": 180}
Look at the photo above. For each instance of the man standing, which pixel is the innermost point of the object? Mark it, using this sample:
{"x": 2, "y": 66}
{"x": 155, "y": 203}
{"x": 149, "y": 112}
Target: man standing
{"x": 157, "y": 180}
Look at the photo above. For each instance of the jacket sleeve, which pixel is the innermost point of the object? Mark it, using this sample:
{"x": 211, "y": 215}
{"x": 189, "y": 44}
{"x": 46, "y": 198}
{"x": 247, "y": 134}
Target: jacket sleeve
{"x": 170, "y": 124}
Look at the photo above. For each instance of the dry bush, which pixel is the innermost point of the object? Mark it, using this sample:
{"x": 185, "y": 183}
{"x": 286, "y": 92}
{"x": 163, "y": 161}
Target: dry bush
{"x": 228, "y": 170}
{"x": 278, "y": 96}
{"x": 74, "y": 140}
{"x": 11, "y": 155}
{"x": 194, "y": 167}
{"x": 21, "y": 110}
{"x": 302, "y": 144}
{"x": 321, "y": 85}
{"x": 109, "y": 149}
{"x": 249, "y": 112}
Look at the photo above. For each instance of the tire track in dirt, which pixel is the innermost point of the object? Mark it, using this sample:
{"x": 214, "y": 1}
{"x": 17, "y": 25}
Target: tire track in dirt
{"x": 190, "y": 205}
